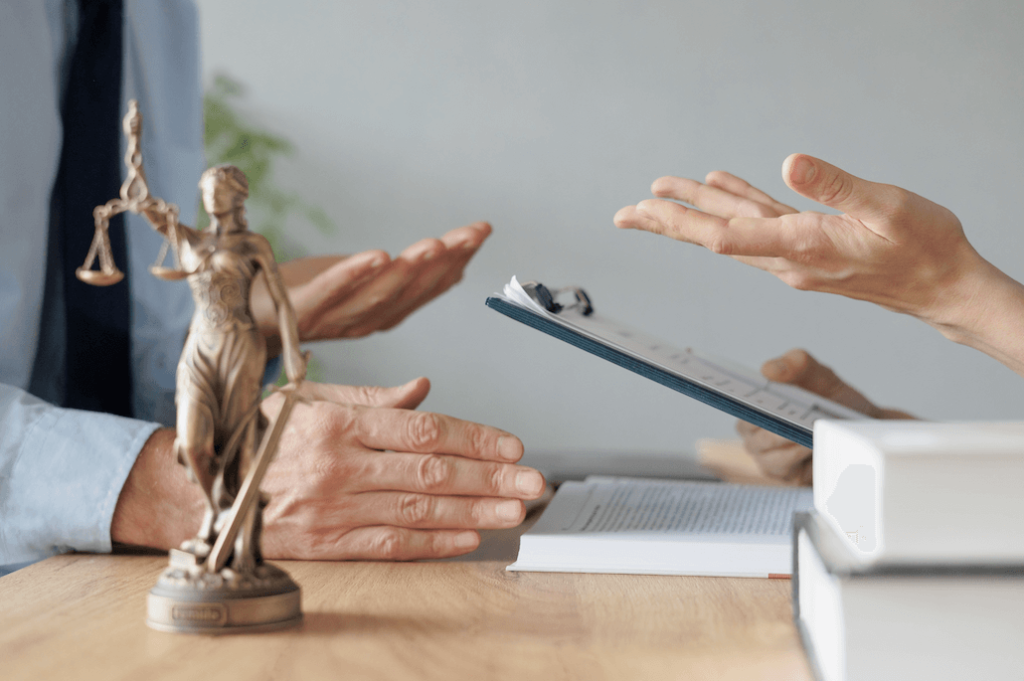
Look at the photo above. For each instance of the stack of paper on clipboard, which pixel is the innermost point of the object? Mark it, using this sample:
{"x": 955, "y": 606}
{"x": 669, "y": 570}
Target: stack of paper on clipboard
{"x": 786, "y": 410}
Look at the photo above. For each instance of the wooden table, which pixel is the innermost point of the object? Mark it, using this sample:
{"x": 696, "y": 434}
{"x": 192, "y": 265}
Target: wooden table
{"x": 81, "y": 617}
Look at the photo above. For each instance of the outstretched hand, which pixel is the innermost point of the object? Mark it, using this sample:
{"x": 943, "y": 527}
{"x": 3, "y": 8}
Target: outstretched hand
{"x": 889, "y": 246}
{"x": 783, "y": 459}
{"x": 354, "y": 296}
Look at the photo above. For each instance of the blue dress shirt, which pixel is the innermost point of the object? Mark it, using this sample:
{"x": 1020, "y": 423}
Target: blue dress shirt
{"x": 61, "y": 470}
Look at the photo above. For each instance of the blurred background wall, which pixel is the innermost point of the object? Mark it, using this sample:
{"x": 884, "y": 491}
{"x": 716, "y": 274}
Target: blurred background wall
{"x": 545, "y": 117}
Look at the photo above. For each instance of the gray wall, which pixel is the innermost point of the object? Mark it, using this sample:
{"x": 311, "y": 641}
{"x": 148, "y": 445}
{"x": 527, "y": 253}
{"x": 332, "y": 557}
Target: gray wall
{"x": 546, "y": 117}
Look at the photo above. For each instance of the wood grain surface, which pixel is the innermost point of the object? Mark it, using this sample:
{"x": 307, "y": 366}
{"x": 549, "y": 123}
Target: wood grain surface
{"x": 82, "y": 616}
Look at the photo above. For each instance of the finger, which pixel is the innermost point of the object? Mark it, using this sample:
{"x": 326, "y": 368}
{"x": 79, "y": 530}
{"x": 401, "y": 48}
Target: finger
{"x": 301, "y": 270}
{"x": 790, "y": 463}
{"x": 740, "y": 187}
{"x": 389, "y": 316}
{"x": 747, "y": 430}
{"x": 408, "y": 396}
{"x": 435, "y": 277}
{"x": 758, "y": 441}
{"x": 827, "y": 184}
{"x": 797, "y": 367}
{"x": 681, "y": 223}
{"x": 445, "y": 272}
{"x": 446, "y": 475}
{"x": 431, "y": 512}
{"x": 424, "y": 258}
{"x": 425, "y": 432}
{"x": 751, "y": 237}
{"x": 630, "y": 218}
{"x": 710, "y": 199}
{"x": 429, "y": 261}
{"x": 775, "y": 456}
{"x": 471, "y": 236}
{"x": 337, "y": 283}
{"x": 422, "y": 250}
{"x": 367, "y": 300}
{"x": 397, "y": 543}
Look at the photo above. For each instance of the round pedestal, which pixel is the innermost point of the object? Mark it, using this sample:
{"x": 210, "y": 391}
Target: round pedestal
{"x": 205, "y": 603}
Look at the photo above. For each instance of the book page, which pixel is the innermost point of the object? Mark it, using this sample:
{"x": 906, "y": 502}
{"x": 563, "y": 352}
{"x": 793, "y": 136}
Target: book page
{"x": 667, "y": 527}
{"x": 625, "y": 505}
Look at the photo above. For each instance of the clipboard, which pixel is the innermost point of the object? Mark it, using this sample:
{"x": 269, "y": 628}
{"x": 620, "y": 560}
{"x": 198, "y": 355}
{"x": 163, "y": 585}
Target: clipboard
{"x": 568, "y": 314}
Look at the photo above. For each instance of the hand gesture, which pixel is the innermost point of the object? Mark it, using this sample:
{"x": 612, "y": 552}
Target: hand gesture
{"x": 781, "y": 458}
{"x": 358, "y": 475}
{"x": 354, "y": 296}
{"x": 889, "y": 246}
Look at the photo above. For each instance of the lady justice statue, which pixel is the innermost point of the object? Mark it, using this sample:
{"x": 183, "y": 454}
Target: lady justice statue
{"x": 217, "y": 581}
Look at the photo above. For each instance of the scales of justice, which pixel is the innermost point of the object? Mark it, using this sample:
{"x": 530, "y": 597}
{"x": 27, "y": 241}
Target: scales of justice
{"x": 216, "y": 582}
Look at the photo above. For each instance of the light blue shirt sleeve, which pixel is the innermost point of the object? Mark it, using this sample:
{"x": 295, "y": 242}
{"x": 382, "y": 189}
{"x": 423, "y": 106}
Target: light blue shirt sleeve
{"x": 62, "y": 470}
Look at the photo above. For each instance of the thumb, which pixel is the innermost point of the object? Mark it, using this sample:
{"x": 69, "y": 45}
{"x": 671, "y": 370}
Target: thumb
{"x": 836, "y": 188}
{"x": 799, "y": 368}
{"x": 408, "y": 396}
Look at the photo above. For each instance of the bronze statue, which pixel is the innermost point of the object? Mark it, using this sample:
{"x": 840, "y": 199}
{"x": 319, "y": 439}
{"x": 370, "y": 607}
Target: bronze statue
{"x": 218, "y": 580}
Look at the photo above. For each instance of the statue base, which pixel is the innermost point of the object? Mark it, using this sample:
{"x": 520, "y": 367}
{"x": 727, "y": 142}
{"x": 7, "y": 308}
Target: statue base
{"x": 188, "y": 599}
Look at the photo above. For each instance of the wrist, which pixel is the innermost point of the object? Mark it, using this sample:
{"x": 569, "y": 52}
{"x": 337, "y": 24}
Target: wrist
{"x": 984, "y": 309}
{"x": 158, "y": 506}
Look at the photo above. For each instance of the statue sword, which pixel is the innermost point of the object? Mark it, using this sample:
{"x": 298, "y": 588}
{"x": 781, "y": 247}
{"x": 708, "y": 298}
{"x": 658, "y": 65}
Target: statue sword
{"x": 249, "y": 491}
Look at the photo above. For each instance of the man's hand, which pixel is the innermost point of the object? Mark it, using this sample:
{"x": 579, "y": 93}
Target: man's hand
{"x": 890, "y": 247}
{"x": 358, "y": 476}
{"x": 781, "y": 458}
{"x": 349, "y": 297}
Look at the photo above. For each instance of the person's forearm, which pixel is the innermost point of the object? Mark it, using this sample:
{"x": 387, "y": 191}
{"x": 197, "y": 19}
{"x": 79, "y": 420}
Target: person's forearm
{"x": 158, "y": 506}
{"x": 985, "y": 310}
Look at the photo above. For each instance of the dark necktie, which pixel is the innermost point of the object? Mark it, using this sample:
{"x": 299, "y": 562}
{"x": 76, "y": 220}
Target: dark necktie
{"x": 98, "y": 371}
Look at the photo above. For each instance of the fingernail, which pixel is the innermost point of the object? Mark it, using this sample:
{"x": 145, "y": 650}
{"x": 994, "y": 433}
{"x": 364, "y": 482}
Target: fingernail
{"x": 509, "y": 510}
{"x": 643, "y": 206}
{"x": 509, "y": 447}
{"x": 427, "y": 255}
{"x": 803, "y": 171}
{"x": 529, "y": 482}
{"x": 377, "y": 262}
{"x": 466, "y": 540}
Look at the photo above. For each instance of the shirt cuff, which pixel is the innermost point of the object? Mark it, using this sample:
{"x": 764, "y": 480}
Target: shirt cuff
{"x": 61, "y": 473}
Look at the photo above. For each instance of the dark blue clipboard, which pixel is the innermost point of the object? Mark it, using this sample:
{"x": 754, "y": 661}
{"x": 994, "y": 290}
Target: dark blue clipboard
{"x": 790, "y": 431}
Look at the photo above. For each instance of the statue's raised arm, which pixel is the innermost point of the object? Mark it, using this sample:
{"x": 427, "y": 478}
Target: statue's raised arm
{"x": 135, "y": 197}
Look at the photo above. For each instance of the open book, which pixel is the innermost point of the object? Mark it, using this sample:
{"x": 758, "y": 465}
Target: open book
{"x": 785, "y": 410}
{"x": 665, "y": 527}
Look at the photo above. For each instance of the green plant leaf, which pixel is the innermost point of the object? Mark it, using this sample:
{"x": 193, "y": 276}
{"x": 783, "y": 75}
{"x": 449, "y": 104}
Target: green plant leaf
{"x": 229, "y": 138}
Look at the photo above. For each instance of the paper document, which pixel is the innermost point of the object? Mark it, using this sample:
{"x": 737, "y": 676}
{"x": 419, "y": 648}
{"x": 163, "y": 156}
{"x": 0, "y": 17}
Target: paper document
{"x": 642, "y": 526}
{"x": 786, "y": 410}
